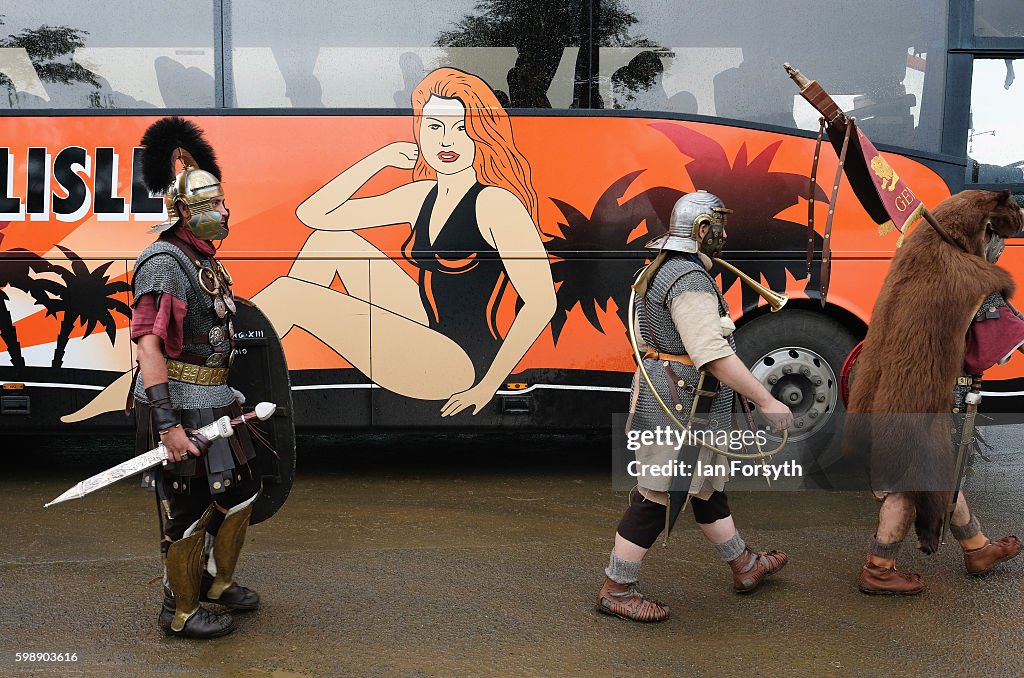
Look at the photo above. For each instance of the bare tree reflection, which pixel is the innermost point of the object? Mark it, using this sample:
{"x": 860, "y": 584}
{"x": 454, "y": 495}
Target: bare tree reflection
{"x": 541, "y": 32}
{"x": 49, "y": 48}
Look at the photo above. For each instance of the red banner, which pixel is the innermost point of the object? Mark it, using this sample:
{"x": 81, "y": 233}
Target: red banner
{"x": 885, "y": 195}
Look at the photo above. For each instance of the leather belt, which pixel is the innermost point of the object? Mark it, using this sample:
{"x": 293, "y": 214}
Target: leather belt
{"x": 199, "y": 375}
{"x": 191, "y": 358}
{"x": 658, "y": 355}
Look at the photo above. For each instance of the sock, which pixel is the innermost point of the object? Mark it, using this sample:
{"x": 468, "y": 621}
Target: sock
{"x": 964, "y": 532}
{"x": 883, "y": 550}
{"x": 622, "y": 571}
{"x": 731, "y": 549}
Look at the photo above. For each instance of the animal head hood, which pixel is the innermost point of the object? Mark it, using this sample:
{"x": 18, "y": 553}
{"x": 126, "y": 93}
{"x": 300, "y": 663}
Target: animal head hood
{"x": 969, "y": 216}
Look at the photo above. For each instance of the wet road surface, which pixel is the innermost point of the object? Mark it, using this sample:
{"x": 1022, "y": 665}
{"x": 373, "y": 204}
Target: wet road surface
{"x": 462, "y": 556}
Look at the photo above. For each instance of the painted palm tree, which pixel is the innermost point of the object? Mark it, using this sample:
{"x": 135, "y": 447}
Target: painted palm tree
{"x": 611, "y": 228}
{"x": 85, "y": 298}
{"x": 16, "y": 267}
{"x": 756, "y": 195}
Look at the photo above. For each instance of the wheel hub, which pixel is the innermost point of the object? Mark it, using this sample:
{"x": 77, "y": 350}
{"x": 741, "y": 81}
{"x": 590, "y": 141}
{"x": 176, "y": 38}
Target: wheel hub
{"x": 803, "y": 381}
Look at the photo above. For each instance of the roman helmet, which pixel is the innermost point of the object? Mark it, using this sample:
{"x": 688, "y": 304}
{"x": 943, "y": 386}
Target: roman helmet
{"x": 168, "y": 142}
{"x": 690, "y": 212}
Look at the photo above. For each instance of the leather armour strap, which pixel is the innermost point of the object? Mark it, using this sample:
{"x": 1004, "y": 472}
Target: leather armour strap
{"x": 658, "y": 355}
{"x": 201, "y": 442}
{"x": 191, "y": 359}
{"x": 810, "y": 197}
{"x": 189, "y": 251}
{"x": 826, "y": 244}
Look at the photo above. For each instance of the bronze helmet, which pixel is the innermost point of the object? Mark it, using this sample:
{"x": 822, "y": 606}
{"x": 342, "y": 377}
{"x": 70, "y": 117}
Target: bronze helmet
{"x": 166, "y": 143}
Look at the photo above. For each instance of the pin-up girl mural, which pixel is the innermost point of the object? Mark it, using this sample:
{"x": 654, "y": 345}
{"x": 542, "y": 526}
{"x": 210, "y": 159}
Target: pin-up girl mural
{"x": 473, "y": 212}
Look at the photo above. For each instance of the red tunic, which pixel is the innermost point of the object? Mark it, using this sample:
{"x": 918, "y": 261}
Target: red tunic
{"x": 992, "y": 340}
{"x": 166, "y": 320}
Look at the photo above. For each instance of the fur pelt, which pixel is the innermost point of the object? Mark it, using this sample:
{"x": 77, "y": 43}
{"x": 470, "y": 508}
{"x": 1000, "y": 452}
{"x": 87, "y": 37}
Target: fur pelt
{"x": 901, "y": 398}
{"x": 161, "y": 140}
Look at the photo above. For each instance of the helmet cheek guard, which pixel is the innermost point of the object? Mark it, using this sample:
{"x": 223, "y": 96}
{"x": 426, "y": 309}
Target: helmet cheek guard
{"x": 208, "y": 225}
{"x": 713, "y": 241}
{"x": 197, "y": 189}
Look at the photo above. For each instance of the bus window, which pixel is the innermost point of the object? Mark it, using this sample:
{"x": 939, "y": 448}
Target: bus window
{"x": 998, "y": 19}
{"x": 995, "y": 143}
{"x": 104, "y": 54}
{"x": 370, "y": 54}
{"x": 719, "y": 58}
{"x": 662, "y": 79}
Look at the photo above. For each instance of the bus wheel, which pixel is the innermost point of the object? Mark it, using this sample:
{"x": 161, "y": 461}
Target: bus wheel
{"x": 798, "y": 356}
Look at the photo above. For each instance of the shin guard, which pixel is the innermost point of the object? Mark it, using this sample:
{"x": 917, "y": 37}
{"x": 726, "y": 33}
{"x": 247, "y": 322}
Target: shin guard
{"x": 227, "y": 546}
{"x": 184, "y": 568}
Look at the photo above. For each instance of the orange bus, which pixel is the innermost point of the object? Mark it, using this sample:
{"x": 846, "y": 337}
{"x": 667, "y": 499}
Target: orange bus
{"x": 614, "y": 108}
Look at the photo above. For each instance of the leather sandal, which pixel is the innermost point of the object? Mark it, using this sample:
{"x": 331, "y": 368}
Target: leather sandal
{"x": 626, "y": 602}
{"x": 766, "y": 563}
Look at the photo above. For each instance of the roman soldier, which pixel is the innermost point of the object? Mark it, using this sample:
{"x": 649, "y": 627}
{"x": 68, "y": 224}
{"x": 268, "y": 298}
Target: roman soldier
{"x": 941, "y": 319}
{"x": 684, "y": 330}
{"x": 182, "y": 324}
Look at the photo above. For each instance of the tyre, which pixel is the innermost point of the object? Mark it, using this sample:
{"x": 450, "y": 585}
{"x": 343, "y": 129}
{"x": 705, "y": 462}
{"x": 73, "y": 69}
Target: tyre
{"x": 797, "y": 355}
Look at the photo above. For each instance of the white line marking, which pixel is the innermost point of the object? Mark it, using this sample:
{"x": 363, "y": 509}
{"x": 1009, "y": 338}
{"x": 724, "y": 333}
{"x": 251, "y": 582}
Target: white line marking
{"x": 330, "y": 387}
{"x": 566, "y": 387}
{"x": 39, "y": 384}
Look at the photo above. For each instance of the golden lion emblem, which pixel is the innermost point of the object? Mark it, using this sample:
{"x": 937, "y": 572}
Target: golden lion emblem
{"x": 884, "y": 172}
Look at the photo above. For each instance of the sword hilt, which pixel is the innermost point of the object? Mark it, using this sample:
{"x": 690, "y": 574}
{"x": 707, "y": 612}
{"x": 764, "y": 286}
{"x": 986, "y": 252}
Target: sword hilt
{"x": 262, "y": 412}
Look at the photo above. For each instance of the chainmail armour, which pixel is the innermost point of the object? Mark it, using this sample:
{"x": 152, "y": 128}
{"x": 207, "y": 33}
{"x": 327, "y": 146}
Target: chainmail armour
{"x": 675, "y": 276}
{"x": 164, "y": 269}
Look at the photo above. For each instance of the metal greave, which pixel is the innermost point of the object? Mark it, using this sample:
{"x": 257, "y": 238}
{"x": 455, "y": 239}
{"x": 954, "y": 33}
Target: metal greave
{"x": 183, "y": 563}
{"x": 227, "y": 546}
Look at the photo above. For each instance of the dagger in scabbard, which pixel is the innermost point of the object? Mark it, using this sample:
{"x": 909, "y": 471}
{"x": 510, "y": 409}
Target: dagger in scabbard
{"x": 963, "y": 454}
{"x": 222, "y": 428}
{"x": 816, "y": 96}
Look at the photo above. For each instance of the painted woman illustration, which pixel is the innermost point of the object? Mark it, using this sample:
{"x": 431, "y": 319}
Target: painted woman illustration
{"x": 473, "y": 212}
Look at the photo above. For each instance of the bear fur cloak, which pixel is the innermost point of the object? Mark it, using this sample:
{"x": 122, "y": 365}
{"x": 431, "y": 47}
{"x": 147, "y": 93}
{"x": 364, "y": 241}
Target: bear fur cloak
{"x": 899, "y": 415}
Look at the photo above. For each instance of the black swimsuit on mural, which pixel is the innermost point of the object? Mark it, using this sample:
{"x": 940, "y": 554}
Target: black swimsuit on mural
{"x": 461, "y": 279}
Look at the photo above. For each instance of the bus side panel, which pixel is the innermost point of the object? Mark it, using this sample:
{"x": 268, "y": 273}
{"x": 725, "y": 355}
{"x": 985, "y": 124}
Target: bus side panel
{"x": 604, "y": 187}
{"x": 69, "y": 340}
